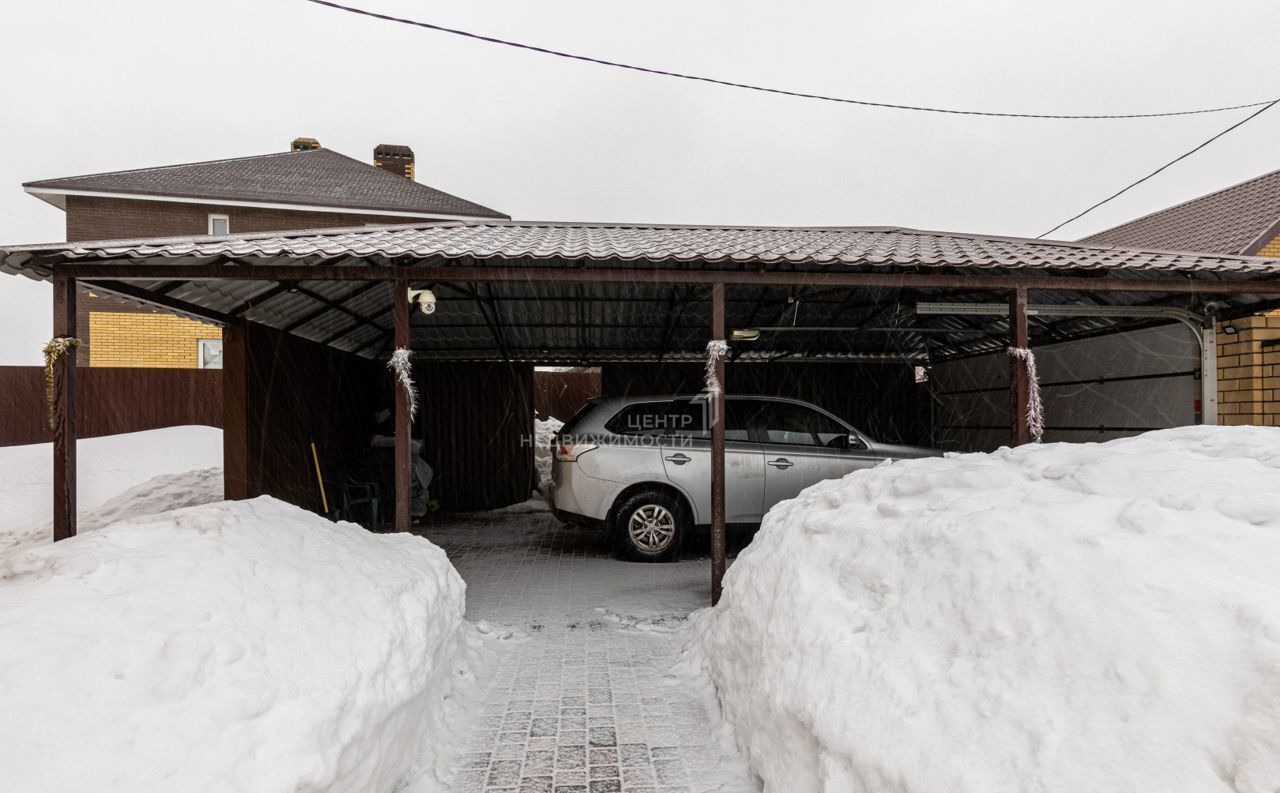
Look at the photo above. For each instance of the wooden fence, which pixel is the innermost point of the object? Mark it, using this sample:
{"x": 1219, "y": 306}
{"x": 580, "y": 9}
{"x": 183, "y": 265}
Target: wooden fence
{"x": 110, "y": 401}
{"x": 562, "y": 394}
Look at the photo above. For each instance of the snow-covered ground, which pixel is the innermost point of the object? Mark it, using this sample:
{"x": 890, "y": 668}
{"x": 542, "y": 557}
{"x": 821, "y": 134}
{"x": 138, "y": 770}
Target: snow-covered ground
{"x": 118, "y": 476}
{"x": 231, "y": 646}
{"x": 1053, "y": 618}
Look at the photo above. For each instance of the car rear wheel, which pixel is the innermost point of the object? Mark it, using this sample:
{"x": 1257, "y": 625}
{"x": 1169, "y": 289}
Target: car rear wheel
{"x": 650, "y": 526}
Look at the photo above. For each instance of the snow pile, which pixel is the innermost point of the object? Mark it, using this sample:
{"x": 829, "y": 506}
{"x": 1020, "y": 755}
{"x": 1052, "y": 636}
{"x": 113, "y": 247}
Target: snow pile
{"x": 233, "y": 646}
{"x": 142, "y": 462}
{"x": 159, "y": 494}
{"x": 544, "y": 431}
{"x": 1053, "y": 618}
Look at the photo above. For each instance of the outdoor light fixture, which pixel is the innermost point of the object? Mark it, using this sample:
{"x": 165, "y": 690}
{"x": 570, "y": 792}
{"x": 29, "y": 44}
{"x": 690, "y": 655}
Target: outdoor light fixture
{"x": 1230, "y": 330}
{"x": 744, "y": 334}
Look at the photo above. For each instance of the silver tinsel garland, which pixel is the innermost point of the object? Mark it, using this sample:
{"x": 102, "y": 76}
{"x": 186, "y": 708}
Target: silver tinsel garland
{"x": 716, "y": 349}
{"x": 401, "y": 362}
{"x": 1035, "y": 408}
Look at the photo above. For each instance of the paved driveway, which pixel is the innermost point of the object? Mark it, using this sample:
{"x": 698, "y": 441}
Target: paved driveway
{"x": 592, "y": 699}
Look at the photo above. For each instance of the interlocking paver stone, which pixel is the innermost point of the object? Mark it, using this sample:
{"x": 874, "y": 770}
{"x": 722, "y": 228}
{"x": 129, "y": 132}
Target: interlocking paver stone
{"x": 582, "y": 701}
{"x": 602, "y": 736}
{"x": 503, "y": 773}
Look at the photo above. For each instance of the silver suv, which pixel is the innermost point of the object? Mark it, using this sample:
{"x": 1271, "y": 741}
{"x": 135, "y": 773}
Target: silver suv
{"x": 640, "y": 467}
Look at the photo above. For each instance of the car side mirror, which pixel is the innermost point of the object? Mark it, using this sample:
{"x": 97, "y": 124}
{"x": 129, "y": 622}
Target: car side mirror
{"x": 855, "y": 443}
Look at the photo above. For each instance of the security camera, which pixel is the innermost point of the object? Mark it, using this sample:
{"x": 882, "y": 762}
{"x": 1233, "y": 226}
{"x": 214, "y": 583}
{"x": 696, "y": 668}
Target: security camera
{"x": 426, "y": 300}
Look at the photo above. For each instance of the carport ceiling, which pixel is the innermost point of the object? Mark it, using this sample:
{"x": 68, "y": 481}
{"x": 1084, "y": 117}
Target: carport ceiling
{"x": 554, "y": 321}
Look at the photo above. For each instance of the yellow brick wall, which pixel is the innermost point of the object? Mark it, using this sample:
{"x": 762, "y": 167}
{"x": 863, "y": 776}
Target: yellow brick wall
{"x": 1271, "y": 250}
{"x": 149, "y": 340}
{"x": 1249, "y": 366}
{"x": 1249, "y": 371}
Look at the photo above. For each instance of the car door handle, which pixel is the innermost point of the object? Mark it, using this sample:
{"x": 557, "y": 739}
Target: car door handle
{"x": 782, "y": 463}
{"x": 678, "y": 459}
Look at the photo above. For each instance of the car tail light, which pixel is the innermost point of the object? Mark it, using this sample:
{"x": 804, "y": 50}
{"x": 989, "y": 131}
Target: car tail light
{"x": 570, "y": 452}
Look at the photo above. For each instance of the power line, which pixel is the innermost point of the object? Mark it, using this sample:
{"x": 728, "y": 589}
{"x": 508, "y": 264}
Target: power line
{"x": 1167, "y": 165}
{"x": 779, "y": 91}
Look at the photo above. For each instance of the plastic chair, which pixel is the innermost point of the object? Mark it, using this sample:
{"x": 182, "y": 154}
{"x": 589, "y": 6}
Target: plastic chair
{"x": 356, "y": 494}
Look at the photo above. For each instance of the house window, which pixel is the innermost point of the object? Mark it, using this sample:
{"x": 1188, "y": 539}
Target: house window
{"x": 219, "y": 225}
{"x": 209, "y": 353}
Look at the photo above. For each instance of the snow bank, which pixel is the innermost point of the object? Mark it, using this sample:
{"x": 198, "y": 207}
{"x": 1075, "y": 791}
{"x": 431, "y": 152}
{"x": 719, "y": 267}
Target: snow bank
{"x": 543, "y": 455}
{"x": 159, "y": 494}
{"x": 235, "y": 646}
{"x": 1054, "y": 618}
{"x": 143, "y": 462}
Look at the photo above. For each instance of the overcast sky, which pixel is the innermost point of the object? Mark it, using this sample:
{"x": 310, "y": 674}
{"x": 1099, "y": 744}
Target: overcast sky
{"x": 89, "y": 86}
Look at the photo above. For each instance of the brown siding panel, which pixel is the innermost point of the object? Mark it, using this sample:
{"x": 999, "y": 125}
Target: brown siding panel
{"x": 90, "y": 218}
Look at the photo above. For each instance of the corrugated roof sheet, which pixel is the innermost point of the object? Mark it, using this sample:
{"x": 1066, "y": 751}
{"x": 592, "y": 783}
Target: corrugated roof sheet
{"x": 510, "y": 240}
{"x": 1237, "y": 220}
{"x": 313, "y": 177}
{"x": 557, "y": 322}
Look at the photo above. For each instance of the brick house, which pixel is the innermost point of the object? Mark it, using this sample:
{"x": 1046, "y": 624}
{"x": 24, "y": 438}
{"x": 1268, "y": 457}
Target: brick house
{"x": 1242, "y": 219}
{"x": 305, "y": 187}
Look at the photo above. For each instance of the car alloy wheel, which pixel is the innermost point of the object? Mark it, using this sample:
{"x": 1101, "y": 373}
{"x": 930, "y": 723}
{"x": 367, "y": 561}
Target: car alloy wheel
{"x": 651, "y": 528}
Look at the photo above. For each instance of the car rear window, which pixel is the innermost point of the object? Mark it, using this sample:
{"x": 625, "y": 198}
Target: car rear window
{"x": 571, "y": 424}
{"x": 680, "y": 417}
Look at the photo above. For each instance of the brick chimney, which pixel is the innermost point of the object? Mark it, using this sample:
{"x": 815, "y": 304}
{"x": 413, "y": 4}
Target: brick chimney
{"x": 396, "y": 159}
{"x": 304, "y": 144}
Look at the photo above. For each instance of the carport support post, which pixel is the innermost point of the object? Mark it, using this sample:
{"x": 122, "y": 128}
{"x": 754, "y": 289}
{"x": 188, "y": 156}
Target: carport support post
{"x": 64, "y": 411}
{"x": 717, "y": 449}
{"x": 1020, "y": 381}
{"x": 404, "y": 479}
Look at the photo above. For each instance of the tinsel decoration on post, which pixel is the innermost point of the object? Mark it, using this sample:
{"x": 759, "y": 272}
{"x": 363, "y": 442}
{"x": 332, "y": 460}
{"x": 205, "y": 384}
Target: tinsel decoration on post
{"x": 716, "y": 349}
{"x": 1035, "y": 408}
{"x": 55, "y": 349}
{"x": 401, "y": 363}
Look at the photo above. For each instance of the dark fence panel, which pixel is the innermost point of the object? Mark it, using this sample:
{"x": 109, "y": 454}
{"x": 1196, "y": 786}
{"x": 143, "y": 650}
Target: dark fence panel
{"x": 477, "y": 421}
{"x": 562, "y": 394}
{"x": 110, "y": 401}
{"x": 298, "y": 391}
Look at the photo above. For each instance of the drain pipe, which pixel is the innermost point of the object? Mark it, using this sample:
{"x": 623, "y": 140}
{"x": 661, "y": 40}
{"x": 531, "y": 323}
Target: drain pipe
{"x": 1208, "y": 333}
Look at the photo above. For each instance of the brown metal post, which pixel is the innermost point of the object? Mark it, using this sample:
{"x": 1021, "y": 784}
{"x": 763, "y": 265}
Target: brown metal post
{"x": 236, "y": 478}
{"x": 64, "y": 411}
{"x": 1020, "y": 383}
{"x": 404, "y": 478}
{"x": 717, "y": 450}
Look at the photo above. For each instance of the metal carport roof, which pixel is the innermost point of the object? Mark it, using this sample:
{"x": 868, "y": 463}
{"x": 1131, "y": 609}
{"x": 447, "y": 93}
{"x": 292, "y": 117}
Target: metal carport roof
{"x": 647, "y": 303}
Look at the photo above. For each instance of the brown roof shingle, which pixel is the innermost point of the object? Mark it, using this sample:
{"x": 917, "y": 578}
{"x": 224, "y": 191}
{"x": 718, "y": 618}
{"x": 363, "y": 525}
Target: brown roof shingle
{"x": 1236, "y": 220}
{"x": 312, "y": 177}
